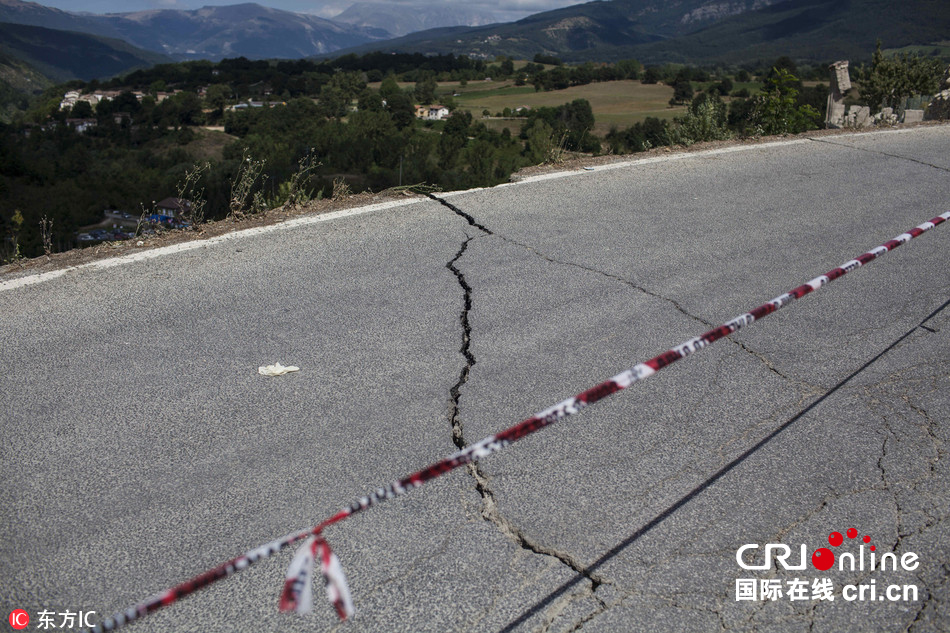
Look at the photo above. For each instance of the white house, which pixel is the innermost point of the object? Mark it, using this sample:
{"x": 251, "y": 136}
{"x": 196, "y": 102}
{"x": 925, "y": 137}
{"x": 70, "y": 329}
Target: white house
{"x": 433, "y": 112}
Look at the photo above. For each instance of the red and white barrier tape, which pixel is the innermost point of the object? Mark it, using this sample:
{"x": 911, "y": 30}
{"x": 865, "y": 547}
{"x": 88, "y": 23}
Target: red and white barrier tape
{"x": 297, "y": 592}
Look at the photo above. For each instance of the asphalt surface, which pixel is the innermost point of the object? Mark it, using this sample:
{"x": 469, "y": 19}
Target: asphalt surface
{"x": 140, "y": 446}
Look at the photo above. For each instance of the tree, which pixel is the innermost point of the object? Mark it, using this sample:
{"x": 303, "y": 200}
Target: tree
{"x": 333, "y": 101}
{"x": 376, "y": 137}
{"x": 570, "y": 122}
{"x": 651, "y": 75}
{"x": 705, "y": 120}
{"x": 81, "y": 110}
{"x": 480, "y": 158}
{"x": 582, "y": 75}
{"x": 539, "y": 142}
{"x": 891, "y": 80}
{"x": 425, "y": 89}
{"x": 389, "y": 88}
{"x": 126, "y": 102}
{"x": 217, "y": 96}
{"x": 784, "y": 63}
{"x": 454, "y": 136}
{"x": 182, "y": 108}
{"x": 401, "y": 110}
{"x": 541, "y": 58}
{"x": 640, "y": 137}
{"x": 370, "y": 101}
{"x": 629, "y": 68}
{"x": 682, "y": 93}
{"x": 723, "y": 88}
{"x": 776, "y": 110}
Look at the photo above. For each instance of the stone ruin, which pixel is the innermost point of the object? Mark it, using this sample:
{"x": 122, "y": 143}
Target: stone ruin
{"x": 841, "y": 116}
{"x": 840, "y": 84}
{"x": 939, "y": 108}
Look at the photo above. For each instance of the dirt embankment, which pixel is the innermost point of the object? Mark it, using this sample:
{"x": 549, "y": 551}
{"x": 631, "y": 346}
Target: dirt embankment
{"x": 79, "y": 256}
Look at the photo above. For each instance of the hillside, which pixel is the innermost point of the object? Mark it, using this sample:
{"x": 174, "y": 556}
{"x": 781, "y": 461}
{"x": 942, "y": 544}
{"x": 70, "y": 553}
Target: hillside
{"x": 64, "y": 55}
{"x": 20, "y": 77}
{"x": 215, "y": 32}
{"x": 18, "y": 81}
{"x": 696, "y": 31}
{"x": 575, "y": 30}
{"x": 808, "y": 30}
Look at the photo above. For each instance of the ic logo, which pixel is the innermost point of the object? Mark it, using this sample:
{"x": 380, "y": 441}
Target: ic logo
{"x": 19, "y": 619}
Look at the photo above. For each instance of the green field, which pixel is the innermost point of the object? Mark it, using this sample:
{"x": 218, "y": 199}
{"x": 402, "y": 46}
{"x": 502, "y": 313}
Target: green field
{"x": 615, "y": 103}
{"x": 939, "y": 49}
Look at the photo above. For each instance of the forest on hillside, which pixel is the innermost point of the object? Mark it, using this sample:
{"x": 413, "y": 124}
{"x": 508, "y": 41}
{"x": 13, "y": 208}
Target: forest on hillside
{"x": 299, "y": 130}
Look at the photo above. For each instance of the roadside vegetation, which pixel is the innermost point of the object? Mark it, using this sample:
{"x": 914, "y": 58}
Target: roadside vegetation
{"x": 239, "y": 137}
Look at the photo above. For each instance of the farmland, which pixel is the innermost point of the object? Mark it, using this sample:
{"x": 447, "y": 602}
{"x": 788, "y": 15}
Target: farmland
{"x": 615, "y": 103}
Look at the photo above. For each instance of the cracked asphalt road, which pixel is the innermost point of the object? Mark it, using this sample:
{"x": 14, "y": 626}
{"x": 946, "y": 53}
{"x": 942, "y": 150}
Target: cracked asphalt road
{"x": 140, "y": 446}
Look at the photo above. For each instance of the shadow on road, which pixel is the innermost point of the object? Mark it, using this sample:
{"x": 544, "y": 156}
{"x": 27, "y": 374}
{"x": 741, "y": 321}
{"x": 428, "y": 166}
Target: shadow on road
{"x": 611, "y": 553}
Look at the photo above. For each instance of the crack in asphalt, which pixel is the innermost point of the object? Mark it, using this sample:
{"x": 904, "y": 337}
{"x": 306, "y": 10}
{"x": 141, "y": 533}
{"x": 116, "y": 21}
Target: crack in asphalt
{"x": 559, "y": 600}
{"x": 908, "y": 525}
{"x": 490, "y": 511}
{"x": 468, "y": 218}
{"x": 880, "y": 153}
{"x": 466, "y": 348}
{"x": 929, "y": 601}
{"x": 808, "y": 388}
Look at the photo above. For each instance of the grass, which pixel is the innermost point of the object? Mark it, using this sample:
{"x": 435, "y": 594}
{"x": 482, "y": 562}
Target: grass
{"x": 939, "y": 49}
{"x": 208, "y": 144}
{"x": 615, "y": 103}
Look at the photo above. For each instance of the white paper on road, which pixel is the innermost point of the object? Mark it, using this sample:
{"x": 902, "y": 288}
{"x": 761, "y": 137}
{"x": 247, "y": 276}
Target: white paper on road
{"x": 276, "y": 370}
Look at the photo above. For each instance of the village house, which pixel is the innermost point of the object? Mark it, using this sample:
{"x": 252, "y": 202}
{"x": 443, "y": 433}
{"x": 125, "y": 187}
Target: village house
{"x": 69, "y": 99}
{"x": 72, "y": 97}
{"x": 171, "y": 209}
{"x": 433, "y": 112}
{"x": 255, "y": 104}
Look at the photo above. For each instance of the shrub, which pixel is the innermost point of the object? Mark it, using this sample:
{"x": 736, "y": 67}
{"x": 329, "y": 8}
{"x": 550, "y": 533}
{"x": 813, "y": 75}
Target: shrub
{"x": 776, "y": 110}
{"x": 704, "y": 121}
{"x": 891, "y": 80}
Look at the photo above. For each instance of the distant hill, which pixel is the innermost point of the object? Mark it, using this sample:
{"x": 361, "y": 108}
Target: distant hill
{"x": 18, "y": 82}
{"x": 400, "y": 19}
{"x": 807, "y": 30}
{"x": 19, "y": 77}
{"x": 573, "y": 31}
{"x": 31, "y": 13}
{"x": 248, "y": 30}
{"x": 696, "y": 31}
{"x": 64, "y": 55}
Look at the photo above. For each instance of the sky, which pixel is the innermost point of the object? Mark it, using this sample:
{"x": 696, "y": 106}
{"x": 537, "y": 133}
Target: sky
{"x": 512, "y": 9}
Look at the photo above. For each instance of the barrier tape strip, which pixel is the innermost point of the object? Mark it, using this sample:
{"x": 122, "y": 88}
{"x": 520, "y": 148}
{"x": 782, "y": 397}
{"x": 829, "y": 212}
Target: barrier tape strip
{"x": 296, "y": 595}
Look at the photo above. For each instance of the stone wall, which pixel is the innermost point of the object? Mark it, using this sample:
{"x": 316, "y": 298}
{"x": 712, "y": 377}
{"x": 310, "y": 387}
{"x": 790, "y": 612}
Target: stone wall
{"x": 939, "y": 108}
{"x": 840, "y": 116}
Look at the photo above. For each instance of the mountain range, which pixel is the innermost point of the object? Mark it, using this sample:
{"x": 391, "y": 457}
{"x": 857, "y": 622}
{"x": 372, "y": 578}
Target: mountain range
{"x": 695, "y": 31}
{"x": 652, "y": 31}
{"x": 248, "y": 30}
{"x": 400, "y": 19}
{"x": 63, "y": 55}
